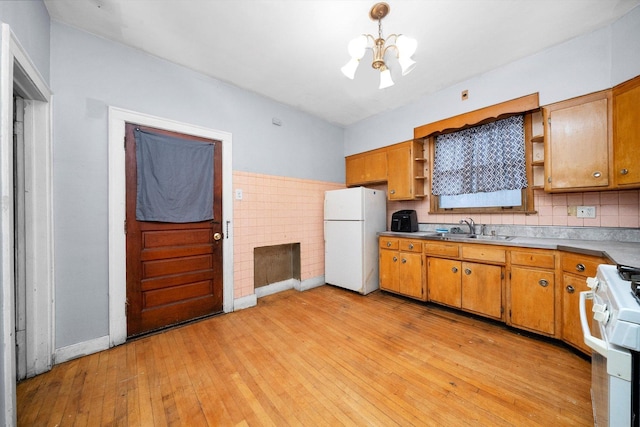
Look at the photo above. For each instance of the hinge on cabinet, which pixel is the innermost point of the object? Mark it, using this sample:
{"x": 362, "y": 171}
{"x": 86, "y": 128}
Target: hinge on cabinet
{"x": 502, "y": 275}
{"x": 125, "y": 226}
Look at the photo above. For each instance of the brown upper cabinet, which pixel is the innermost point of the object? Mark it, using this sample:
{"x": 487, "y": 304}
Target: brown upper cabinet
{"x": 578, "y": 143}
{"x": 366, "y": 168}
{"x": 626, "y": 134}
{"x": 405, "y": 171}
{"x": 401, "y": 166}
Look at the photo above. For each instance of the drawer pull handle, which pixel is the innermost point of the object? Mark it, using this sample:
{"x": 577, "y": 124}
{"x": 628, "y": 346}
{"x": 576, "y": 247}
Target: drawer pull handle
{"x": 454, "y": 269}
{"x": 467, "y": 271}
{"x": 395, "y": 259}
{"x": 571, "y": 289}
{"x": 597, "y": 174}
{"x": 410, "y": 245}
{"x": 580, "y": 267}
{"x": 388, "y": 244}
{"x": 624, "y": 171}
{"x": 544, "y": 283}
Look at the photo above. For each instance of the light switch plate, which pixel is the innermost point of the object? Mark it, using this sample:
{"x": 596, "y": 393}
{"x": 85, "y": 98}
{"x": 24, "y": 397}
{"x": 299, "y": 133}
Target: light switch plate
{"x": 238, "y": 194}
{"x": 586, "y": 212}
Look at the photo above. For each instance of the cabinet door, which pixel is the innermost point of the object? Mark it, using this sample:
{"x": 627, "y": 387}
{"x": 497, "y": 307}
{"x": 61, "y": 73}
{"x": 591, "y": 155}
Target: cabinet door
{"x": 389, "y": 264}
{"x": 399, "y": 172}
{"x": 578, "y": 143}
{"x": 355, "y": 170}
{"x": 626, "y": 133}
{"x": 482, "y": 289}
{"x": 571, "y": 328}
{"x": 366, "y": 168}
{"x": 443, "y": 278}
{"x": 410, "y": 275}
{"x": 532, "y": 299}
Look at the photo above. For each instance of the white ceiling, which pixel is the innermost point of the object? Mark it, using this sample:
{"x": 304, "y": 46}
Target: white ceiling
{"x": 292, "y": 50}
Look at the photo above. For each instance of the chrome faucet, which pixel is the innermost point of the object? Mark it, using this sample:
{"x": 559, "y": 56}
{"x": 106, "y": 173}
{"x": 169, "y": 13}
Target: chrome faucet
{"x": 470, "y": 224}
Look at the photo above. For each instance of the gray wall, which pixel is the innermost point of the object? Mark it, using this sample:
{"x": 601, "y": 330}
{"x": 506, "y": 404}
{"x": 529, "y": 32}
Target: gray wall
{"x": 585, "y": 64}
{"x": 29, "y": 21}
{"x": 88, "y": 75}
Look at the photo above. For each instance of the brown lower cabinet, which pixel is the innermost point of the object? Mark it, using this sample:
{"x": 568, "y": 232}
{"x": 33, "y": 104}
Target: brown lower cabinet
{"x": 575, "y": 270}
{"x": 401, "y": 267}
{"x": 532, "y": 289}
{"x": 467, "y": 285}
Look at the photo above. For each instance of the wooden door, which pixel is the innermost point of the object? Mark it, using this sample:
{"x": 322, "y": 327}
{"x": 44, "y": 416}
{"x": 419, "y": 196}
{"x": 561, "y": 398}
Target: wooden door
{"x": 444, "y": 281}
{"x": 389, "y": 263}
{"x": 482, "y": 289}
{"x": 571, "y": 327}
{"x": 626, "y": 133}
{"x": 533, "y": 299}
{"x": 577, "y": 145}
{"x": 174, "y": 270}
{"x": 410, "y": 274}
{"x": 398, "y": 173}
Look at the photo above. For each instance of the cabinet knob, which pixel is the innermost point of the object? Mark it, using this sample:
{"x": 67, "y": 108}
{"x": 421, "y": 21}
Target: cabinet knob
{"x": 544, "y": 283}
{"x": 467, "y": 271}
{"x": 388, "y": 244}
{"x": 454, "y": 269}
{"x": 392, "y": 191}
{"x": 395, "y": 259}
{"x": 624, "y": 171}
{"x": 580, "y": 267}
{"x": 404, "y": 260}
{"x": 597, "y": 174}
{"x": 410, "y": 245}
{"x": 571, "y": 289}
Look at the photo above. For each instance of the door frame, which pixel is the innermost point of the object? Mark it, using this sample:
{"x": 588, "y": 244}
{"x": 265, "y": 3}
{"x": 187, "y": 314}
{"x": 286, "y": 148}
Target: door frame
{"x": 19, "y": 74}
{"x": 117, "y": 205}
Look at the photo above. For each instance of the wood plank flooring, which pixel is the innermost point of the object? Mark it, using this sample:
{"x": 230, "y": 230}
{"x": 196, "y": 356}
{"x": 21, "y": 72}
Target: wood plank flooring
{"x": 326, "y": 356}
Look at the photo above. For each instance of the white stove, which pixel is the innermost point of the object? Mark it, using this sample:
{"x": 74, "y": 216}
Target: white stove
{"x": 614, "y": 337}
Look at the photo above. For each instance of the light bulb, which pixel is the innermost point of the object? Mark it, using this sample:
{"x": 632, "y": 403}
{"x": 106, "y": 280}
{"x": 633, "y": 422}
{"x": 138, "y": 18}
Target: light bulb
{"x": 407, "y": 65}
{"x": 406, "y": 46}
{"x": 350, "y": 68}
{"x": 385, "y": 78}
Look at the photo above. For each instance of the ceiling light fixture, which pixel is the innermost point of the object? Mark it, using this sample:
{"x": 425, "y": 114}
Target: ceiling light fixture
{"x": 404, "y": 46}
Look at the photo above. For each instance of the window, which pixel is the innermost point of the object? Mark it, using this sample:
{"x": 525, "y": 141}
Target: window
{"x": 482, "y": 166}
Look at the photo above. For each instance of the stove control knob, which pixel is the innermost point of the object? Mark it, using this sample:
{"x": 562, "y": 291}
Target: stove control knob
{"x": 601, "y": 313}
{"x": 592, "y": 283}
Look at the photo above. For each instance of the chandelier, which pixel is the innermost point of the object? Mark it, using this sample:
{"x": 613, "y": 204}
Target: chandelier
{"x": 404, "y": 48}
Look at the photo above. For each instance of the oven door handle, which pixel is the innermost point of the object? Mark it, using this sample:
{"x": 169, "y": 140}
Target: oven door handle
{"x": 594, "y": 343}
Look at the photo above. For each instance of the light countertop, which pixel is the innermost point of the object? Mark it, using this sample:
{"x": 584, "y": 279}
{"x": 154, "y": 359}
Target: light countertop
{"x": 625, "y": 253}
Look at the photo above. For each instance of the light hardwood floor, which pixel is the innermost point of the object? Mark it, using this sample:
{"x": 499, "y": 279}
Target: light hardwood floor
{"x": 326, "y": 356}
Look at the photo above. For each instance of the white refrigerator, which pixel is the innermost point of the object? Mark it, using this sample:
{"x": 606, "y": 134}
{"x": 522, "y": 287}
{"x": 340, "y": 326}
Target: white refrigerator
{"x": 352, "y": 219}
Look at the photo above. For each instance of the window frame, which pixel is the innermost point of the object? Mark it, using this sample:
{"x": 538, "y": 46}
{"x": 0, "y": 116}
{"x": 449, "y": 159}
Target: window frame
{"x": 526, "y": 105}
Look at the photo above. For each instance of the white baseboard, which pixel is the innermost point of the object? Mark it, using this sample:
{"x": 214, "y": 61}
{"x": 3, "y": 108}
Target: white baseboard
{"x": 245, "y": 302}
{"x": 314, "y": 282}
{"x": 81, "y": 349}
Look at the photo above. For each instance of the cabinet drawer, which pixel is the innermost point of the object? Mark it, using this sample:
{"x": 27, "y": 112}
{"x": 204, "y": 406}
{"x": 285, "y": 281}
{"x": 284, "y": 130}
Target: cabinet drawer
{"x": 584, "y": 265}
{"x": 388, "y": 243}
{"x": 450, "y": 250}
{"x": 410, "y": 245}
{"x": 533, "y": 259}
{"x": 484, "y": 253}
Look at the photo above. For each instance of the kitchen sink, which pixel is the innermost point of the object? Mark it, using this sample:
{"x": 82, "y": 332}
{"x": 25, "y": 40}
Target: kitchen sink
{"x": 467, "y": 236}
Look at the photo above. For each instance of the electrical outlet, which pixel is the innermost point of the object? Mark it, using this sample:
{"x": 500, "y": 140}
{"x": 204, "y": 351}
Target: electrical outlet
{"x": 465, "y": 95}
{"x": 586, "y": 211}
{"x": 238, "y": 194}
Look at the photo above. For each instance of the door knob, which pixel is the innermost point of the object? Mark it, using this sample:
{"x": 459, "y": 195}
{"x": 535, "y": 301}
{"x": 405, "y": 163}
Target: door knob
{"x": 217, "y": 236}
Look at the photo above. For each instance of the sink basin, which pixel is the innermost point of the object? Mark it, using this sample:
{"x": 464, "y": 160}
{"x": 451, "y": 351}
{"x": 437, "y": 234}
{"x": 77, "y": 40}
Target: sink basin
{"x": 467, "y": 236}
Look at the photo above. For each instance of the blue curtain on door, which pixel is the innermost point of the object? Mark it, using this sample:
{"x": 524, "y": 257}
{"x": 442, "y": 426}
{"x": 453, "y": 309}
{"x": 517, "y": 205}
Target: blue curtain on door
{"x": 175, "y": 178}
